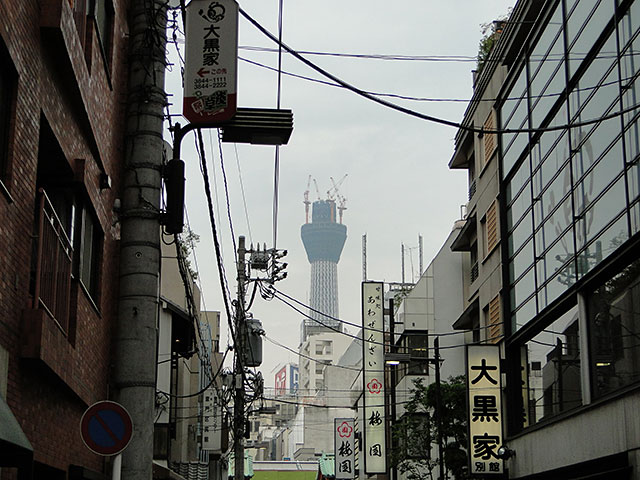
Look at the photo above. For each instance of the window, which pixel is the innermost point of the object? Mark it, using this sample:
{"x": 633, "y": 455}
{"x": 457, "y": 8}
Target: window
{"x": 552, "y": 362}
{"x": 614, "y": 322}
{"x": 67, "y": 236}
{"x": 417, "y": 345}
{"x": 80, "y": 17}
{"x": 103, "y": 15}
{"x": 89, "y": 256}
{"x": 8, "y": 80}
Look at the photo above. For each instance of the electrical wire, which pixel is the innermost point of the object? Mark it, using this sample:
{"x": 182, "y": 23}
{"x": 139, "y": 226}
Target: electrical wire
{"x": 244, "y": 198}
{"x": 431, "y": 99}
{"x": 226, "y": 193}
{"x": 201, "y": 391}
{"x": 423, "y": 116}
{"x": 276, "y": 166}
{"x": 345, "y": 322}
{"x": 216, "y": 243}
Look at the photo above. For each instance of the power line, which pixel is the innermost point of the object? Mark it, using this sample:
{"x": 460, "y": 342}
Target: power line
{"x": 244, "y": 198}
{"x": 423, "y": 116}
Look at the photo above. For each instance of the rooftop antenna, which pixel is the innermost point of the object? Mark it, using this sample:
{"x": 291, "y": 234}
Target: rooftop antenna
{"x": 364, "y": 257}
{"x": 420, "y": 252}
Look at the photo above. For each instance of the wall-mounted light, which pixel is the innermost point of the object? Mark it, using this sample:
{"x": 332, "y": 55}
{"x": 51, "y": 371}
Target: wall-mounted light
{"x": 505, "y": 453}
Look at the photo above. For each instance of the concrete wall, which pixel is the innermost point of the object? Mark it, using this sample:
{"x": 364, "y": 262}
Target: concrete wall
{"x": 590, "y": 429}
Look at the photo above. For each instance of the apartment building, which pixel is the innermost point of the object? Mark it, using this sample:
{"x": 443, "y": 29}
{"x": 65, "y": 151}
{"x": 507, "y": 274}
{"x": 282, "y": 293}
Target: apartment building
{"x": 62, "y": 97}
{"x": 560, "y": 88}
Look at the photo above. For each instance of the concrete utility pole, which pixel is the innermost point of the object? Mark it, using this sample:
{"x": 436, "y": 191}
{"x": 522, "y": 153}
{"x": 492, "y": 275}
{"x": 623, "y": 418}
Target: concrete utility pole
{"x": 238, "y": 376}
{"x": 134, "y": 378}
{"x": 436, "y": 348}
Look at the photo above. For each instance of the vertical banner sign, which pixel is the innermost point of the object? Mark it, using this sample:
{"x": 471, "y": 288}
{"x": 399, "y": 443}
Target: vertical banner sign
{"x": 485, "y": 408}
{"x": 374, "y": 449}
{"x": 211, "y": 61}
{"x": 211, "y": 421}
{"x": 344, "y": 448}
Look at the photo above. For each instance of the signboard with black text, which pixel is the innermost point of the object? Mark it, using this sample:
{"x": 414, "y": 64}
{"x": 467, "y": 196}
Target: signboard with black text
{"x": 344, "y": 448}
{"x": 211, "y": 61}
{"x": 374, "y": 429}
{"x": 485, "y": 409}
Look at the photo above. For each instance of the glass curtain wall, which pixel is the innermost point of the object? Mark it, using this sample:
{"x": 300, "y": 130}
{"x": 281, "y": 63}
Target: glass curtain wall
{"x": 572, "y": 186}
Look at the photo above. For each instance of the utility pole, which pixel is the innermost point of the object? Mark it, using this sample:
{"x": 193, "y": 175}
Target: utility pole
{"x": 134, "y": 376}
{"x": 238, "y": 376}
{"x": 436, "y": 348}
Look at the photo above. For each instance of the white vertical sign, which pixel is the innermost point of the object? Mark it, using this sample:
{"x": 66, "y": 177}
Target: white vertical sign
{"x": 485, "y": 409}
{"x": 211, "y": 421}
{"x": 344, "y": 448}
{"x": 211, "y": 61}
{"x": 375, "y": 452}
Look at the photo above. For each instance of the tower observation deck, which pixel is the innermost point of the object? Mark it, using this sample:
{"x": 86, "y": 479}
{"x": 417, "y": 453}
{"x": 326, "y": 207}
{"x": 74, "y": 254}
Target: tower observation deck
{"x": 323, "y": 240}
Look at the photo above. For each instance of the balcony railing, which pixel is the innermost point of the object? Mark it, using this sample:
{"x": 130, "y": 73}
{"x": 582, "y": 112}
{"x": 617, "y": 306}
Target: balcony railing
{"x": 474, "y": 272}
{"x": 53, "y": 264}
{"x": 472, "y": 189}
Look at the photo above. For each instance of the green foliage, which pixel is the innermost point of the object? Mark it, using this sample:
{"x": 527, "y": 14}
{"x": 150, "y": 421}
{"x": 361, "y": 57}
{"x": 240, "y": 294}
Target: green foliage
{"x": 186, "y": 244}
{"x": 490, "y": 34}
{"x": 415, "y": 451}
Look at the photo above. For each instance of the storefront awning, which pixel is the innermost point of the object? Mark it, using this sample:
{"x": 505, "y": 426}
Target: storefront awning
{"x": 15, "y": 449}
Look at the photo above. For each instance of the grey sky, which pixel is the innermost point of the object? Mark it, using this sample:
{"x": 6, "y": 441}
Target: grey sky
{"x": 398, "y": 183}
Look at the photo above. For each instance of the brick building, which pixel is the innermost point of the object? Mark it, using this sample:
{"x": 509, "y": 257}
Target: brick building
{"x": 62, "y": 98}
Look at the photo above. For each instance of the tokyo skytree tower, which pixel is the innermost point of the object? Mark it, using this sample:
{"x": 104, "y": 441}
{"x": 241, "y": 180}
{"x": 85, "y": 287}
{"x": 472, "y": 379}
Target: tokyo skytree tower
{"x": 323, "y": 240}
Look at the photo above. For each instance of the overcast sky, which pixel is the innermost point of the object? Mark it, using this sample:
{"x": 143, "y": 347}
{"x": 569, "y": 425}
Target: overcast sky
{"x": 398, "y": 184}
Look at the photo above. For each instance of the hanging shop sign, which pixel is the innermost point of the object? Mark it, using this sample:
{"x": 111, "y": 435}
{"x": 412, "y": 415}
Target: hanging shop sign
{"x": 374, "y": 448}
{"x": 344, "y": 448}
{"x": 485, "y": 409}
{"x": 211, "y": 61}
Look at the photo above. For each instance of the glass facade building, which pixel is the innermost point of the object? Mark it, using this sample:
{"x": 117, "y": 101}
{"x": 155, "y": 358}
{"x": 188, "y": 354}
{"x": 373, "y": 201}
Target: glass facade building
{"x": 570, "y": 209}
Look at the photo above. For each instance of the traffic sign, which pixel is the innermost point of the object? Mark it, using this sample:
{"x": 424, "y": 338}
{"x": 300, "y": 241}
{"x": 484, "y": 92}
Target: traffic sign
{"x": 106, "y": 428}
{"x": 211, "y": 61}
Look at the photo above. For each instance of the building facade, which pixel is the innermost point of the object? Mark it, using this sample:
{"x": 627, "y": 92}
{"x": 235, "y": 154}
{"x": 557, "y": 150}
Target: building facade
{"x": 423, "y": 314}
{"x": 563, "y": 134}
{"x": 62, "y": 97}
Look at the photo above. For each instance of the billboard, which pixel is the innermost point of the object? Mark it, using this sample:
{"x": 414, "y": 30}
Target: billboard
{"x": 211, "y": 61}
{"x": 286, "y": 380}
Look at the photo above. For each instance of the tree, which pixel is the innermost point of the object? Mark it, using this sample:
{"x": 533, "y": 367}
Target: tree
{"x": 490, "y": 34}
{"x": 415, "y": 435}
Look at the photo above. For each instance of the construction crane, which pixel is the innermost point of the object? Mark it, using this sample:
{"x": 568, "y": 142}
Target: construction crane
{"x": 334, "y": 194}
{"x": 306, "y": 200}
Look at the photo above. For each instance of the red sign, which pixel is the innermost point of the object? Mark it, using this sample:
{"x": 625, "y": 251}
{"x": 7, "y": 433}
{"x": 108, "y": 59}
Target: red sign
{"x": 106, "y": 428}
{"x": 281, "y": 381}
{"x": 211, "y": 61}
{"x": 345, "y": 430}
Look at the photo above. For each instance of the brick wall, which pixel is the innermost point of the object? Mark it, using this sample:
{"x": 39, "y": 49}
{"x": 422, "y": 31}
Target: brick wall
{"x": 82, "y": 100}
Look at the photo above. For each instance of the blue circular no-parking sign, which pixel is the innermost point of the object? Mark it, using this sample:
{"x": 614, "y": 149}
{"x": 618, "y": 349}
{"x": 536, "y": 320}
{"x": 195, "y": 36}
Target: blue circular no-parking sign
{"x": 106, "y": 428}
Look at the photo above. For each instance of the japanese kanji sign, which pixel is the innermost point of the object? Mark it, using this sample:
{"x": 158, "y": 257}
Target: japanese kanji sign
{"x": 373, "y": 376}
{"x": 485, "y": 409}
{"x": 344, "y": 448}
{"x": 211, "y": 61}
{"x": 211, "y": 421}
